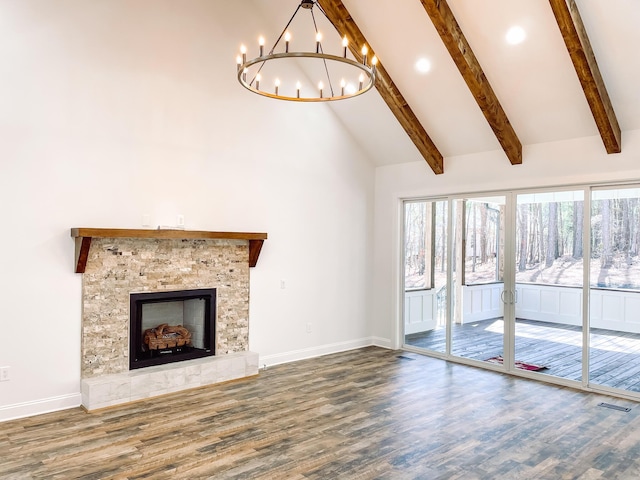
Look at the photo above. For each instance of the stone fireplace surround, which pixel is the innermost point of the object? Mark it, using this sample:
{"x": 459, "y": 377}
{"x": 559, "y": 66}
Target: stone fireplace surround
{"x": 117, "y": 262}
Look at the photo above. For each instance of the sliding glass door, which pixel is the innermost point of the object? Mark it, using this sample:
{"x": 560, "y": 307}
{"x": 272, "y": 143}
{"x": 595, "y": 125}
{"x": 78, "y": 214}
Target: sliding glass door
{"x": 466, "y": 287}
{"x": 425, "y": 274}
{"x": 478, "y": 279}
{"x": 614, "y": 334}
{"x": 549, "y": 278}
{"x": 544, "y": 282}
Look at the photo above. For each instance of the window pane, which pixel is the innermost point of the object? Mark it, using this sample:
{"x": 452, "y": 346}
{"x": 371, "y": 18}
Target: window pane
{"x": 549, "y": 239}
{"x": 417, "y": 233}
{"x": 483, "y": 241}
{"x": 615, "y": 242}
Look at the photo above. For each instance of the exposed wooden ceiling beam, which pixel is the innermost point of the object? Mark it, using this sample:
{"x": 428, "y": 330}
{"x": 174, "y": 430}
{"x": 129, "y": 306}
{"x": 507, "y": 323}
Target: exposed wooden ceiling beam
{"x": 345, "y": 25}
{"x": 464, "y": 58}
{"x": 584, "y": 61}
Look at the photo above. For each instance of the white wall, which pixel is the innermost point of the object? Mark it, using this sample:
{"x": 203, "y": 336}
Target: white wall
{"x": 113, "y": 109}
{"x": 575, "y": 161}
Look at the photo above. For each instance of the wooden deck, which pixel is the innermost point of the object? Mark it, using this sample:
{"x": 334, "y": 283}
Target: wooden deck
{"x": 614, "y": 356}
{"x": 364, "y": 414}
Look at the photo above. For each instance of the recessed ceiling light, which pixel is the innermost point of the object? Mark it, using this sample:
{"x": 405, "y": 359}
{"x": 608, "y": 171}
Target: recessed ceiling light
{"x": 515, "y": 35}
{"x": 423, "y": 65}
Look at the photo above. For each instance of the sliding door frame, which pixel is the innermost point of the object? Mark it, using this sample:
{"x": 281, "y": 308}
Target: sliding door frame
{"x": 509, "y": 281}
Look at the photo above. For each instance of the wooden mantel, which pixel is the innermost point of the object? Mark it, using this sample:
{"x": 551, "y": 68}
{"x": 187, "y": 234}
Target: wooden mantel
{"x": 83, "y": 238}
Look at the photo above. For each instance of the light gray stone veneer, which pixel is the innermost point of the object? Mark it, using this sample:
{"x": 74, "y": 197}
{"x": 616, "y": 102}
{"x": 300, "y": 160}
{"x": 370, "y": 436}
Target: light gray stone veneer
{"x": 117, "y": 267}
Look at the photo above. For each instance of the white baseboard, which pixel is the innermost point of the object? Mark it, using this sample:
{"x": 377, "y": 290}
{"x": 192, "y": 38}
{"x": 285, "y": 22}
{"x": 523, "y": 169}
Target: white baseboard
{"x": 286, "y": 357}
{"x": 37, "y": 407}
{"x": 382, "y": 342}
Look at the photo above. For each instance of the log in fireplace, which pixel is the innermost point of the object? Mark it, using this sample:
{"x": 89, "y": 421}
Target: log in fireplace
{"x": 171, "y": 326}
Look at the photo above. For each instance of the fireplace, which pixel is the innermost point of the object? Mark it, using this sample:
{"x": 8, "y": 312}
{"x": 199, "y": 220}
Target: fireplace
{"x": 171, "y": 326}
{"x": 125, "y": 272}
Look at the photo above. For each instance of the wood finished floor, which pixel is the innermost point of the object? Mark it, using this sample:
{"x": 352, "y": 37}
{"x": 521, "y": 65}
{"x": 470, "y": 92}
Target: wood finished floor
{"x": 363, "y": 414}
{"x": 614, "y": 357}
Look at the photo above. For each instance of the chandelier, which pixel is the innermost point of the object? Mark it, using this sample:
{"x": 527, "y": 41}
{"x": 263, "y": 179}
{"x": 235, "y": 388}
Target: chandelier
{"x": 345, "y": 77}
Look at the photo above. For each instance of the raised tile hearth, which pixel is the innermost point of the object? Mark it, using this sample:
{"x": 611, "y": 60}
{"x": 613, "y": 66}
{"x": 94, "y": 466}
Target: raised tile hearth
{"x": 109, "y": 390}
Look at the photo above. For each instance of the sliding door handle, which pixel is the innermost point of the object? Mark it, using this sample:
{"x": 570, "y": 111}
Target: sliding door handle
{"x": 513, "y": 297}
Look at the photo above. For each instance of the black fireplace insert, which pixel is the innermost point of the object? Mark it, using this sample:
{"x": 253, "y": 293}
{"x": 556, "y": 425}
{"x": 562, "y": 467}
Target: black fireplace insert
{"x": 171, "y": 326}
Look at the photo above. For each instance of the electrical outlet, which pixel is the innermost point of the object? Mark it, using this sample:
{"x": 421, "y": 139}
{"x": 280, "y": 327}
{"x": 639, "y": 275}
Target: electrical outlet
{"x": 146, "y": 220}
{"x": 308, "y": 327}
{"x": 4, "y": 374}
{"x": 180, "y": 221}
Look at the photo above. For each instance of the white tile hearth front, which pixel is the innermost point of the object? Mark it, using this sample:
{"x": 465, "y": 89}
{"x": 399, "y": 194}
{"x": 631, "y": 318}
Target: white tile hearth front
{"x": 109, "y": 390}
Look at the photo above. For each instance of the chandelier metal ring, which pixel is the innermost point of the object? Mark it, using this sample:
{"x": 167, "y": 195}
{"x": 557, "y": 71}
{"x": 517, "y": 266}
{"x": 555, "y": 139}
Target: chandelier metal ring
{"x": 366, "y": 86}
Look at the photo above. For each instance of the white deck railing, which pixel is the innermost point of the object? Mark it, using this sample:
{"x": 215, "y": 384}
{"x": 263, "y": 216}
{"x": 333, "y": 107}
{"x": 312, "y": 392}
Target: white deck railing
{"x": 609, "y": 309}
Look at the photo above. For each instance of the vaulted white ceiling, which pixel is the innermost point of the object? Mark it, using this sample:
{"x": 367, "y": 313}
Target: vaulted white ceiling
{"x": 534, "y": 81}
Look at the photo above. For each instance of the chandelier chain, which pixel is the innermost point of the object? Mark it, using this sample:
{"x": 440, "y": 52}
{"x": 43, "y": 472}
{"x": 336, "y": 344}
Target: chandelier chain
{"x": 278, "y": 41}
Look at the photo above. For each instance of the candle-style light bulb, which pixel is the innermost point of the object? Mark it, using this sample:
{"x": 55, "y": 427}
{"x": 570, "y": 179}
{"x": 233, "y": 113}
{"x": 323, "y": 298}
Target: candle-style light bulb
{"x": 365, "y": 50}
{"x": 374, "y": 62}
{"x": 361, "y": 79}
{"x": 277, "y": 85}
{"x": 239, "y": 61}
{"x": 258, "y": 78}
{"x": 345, "y": 44}
{"x": 298, "y": 86}
{"x": 243, "y": 51}
{"x": 261, "y": 44}
{"x": 320, "y": 87}
{"x": 287, "y": 38}
{"x": 318, "y": 40}
{"x": 342, "y": 85}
